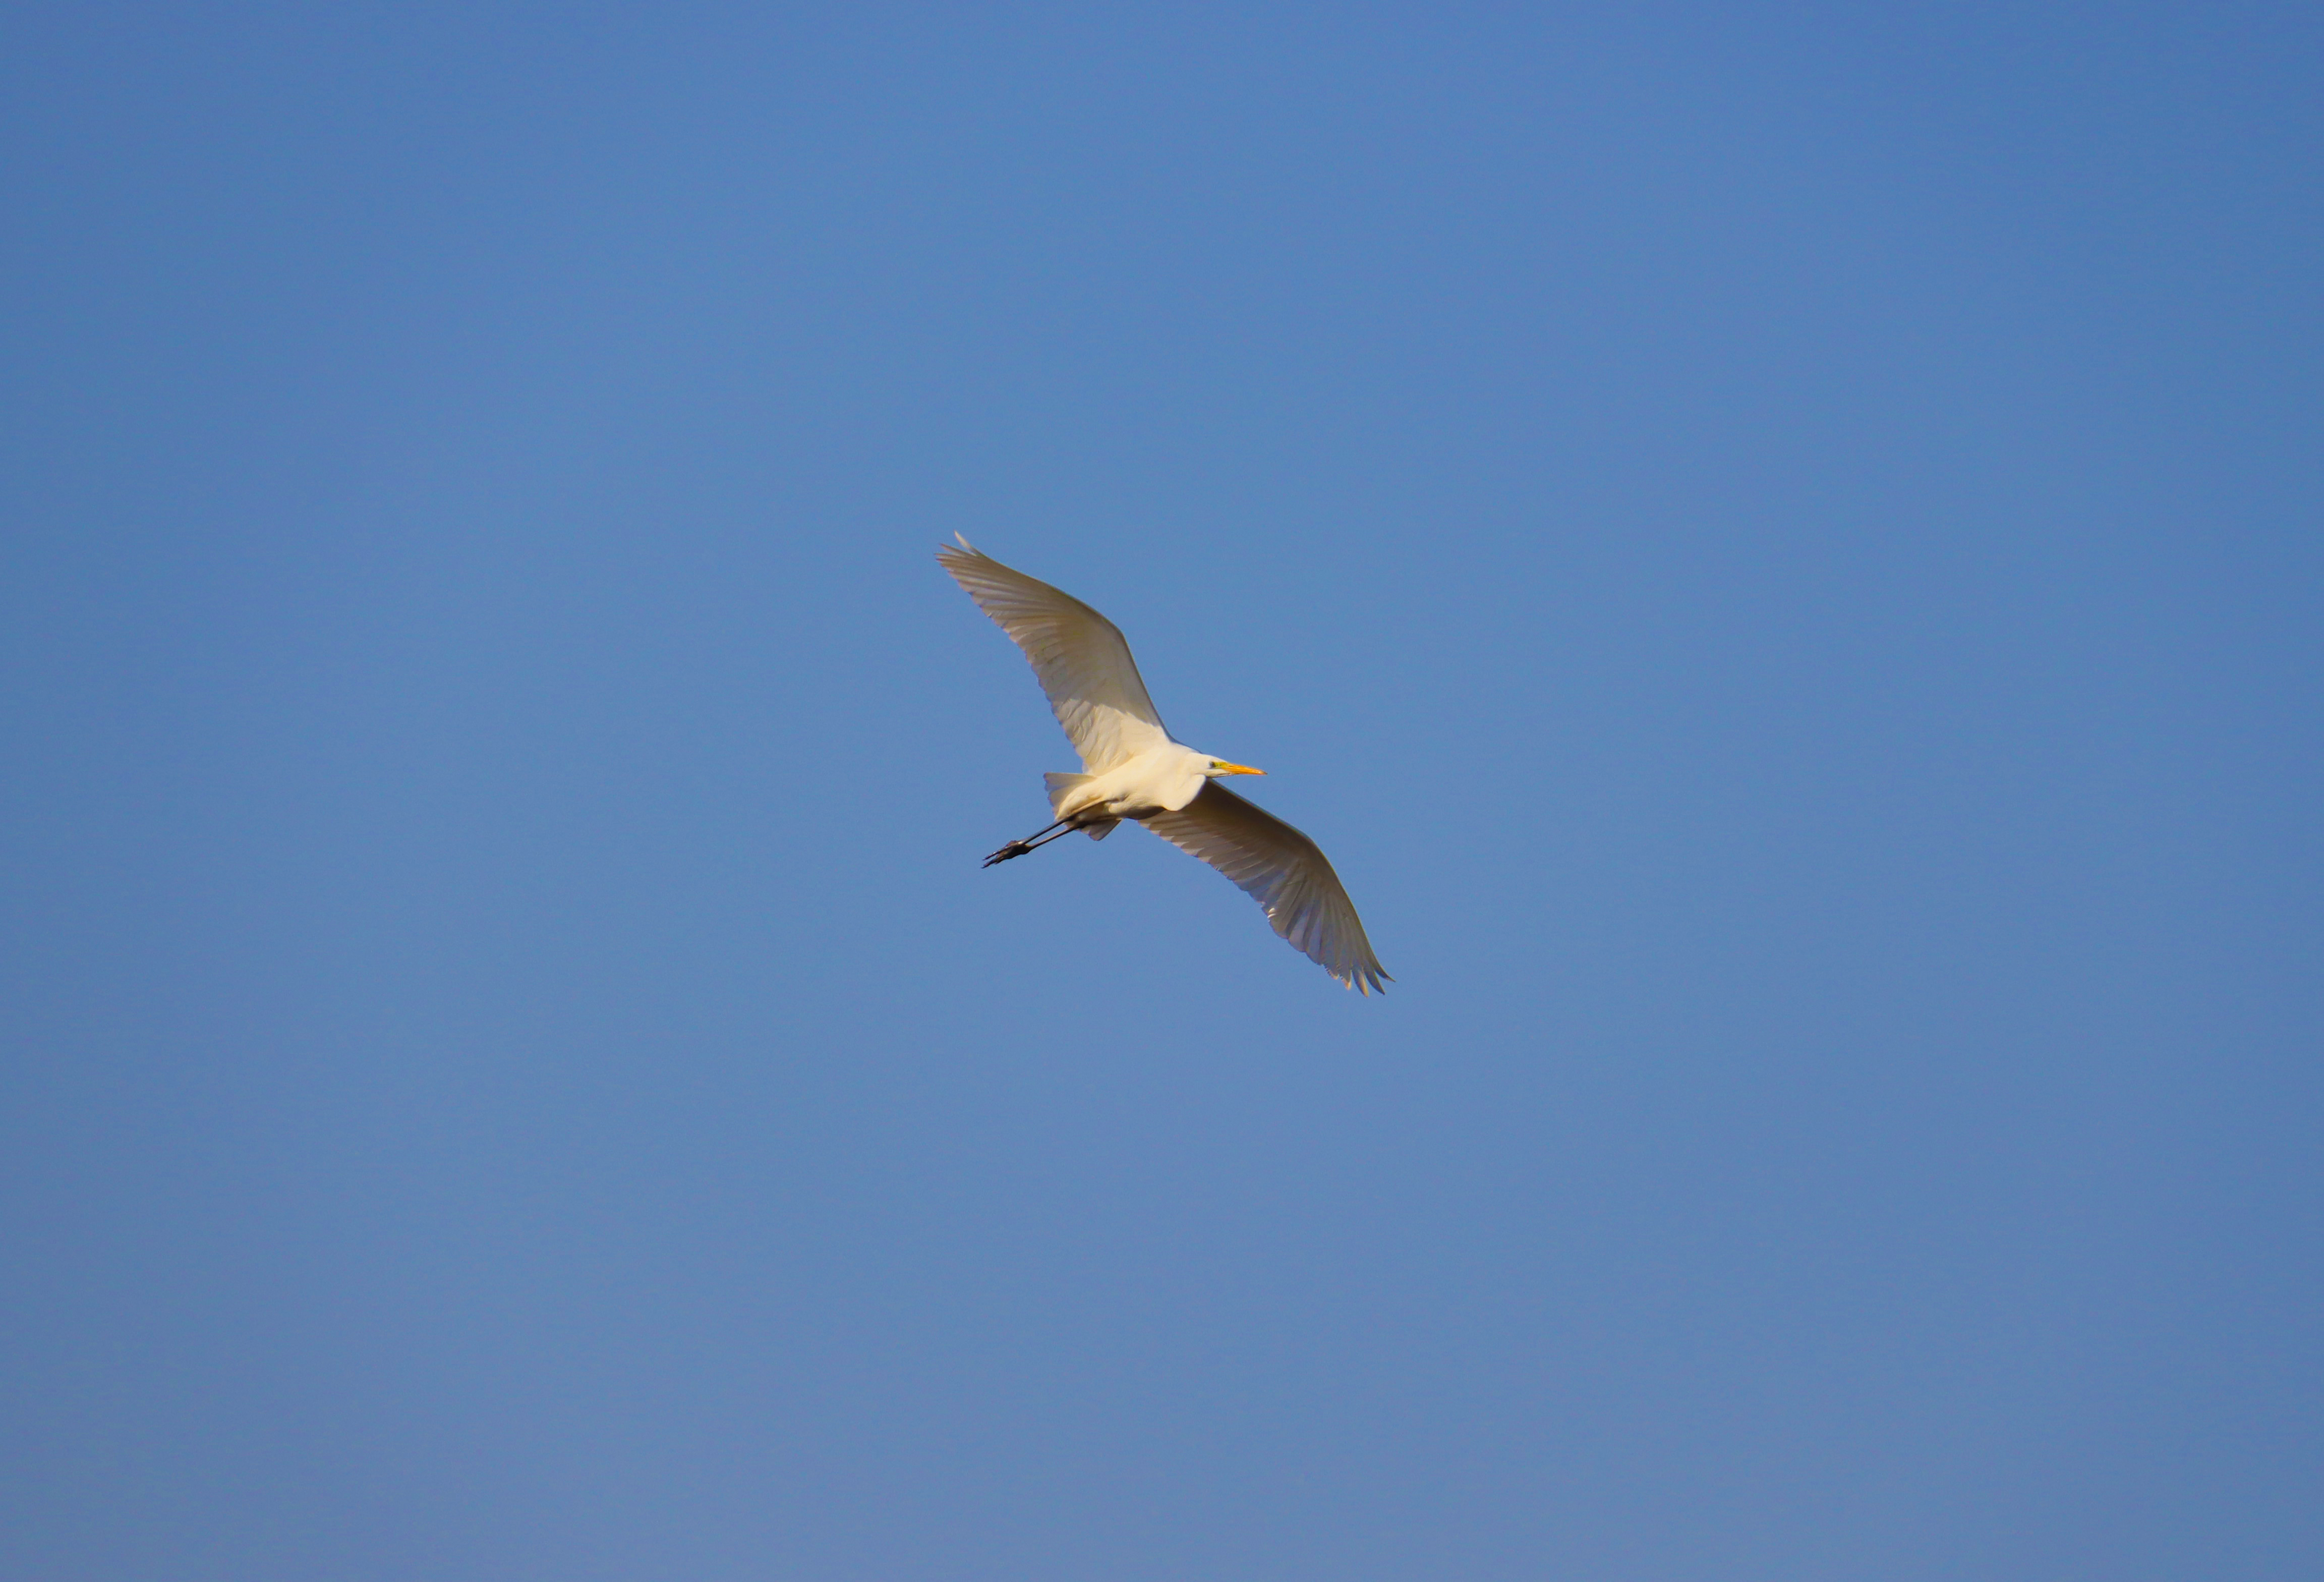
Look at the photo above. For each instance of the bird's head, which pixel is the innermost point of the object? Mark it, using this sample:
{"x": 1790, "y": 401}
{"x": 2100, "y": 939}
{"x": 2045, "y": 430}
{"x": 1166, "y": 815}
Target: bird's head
{"x": 1214, "y": 767}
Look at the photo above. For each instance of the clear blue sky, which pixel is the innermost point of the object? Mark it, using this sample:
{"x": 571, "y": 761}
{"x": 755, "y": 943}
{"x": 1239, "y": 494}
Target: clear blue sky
{"x": 1776, "y": 546}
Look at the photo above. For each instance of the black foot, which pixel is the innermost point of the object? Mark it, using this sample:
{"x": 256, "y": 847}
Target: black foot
{"x": 1014, "y": 849}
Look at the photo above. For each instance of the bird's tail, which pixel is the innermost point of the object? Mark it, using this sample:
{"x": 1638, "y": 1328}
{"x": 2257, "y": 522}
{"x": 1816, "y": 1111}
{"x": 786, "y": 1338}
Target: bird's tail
{"x": 1060, "y": 787}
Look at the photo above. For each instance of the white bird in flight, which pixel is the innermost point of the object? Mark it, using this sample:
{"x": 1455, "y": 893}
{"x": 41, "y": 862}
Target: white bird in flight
{"x": 1135, "y": 769}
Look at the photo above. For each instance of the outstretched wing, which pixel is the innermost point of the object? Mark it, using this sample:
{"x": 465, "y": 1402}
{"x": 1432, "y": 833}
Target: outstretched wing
{"x": 1282, "y": 870}
{"x": 1079, "y": 655}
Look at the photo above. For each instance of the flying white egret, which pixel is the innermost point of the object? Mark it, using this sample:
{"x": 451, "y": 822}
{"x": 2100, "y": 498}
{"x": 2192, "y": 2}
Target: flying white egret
{"x": 1135, "y": 769}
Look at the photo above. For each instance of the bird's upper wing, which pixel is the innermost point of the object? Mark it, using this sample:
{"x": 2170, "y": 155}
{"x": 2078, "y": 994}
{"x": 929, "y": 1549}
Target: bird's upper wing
{"x": 1282, "y": 870}
{"x": 1079, "y": 655}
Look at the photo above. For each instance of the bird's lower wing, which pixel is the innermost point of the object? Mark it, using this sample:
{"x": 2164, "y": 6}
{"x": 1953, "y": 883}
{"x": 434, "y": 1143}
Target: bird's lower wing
{"x": 1080, "y": 656}
{"x": 1282, "y": 870}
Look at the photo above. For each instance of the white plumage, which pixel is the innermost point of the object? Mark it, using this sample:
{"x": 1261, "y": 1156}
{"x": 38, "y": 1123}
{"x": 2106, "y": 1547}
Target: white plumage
{"x": 1133, "y": 768}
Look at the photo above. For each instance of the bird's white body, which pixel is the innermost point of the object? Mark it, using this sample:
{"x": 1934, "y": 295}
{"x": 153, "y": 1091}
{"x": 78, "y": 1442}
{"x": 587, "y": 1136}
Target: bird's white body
{"x": 1161, "y": 780}
{"x": 1132, "y": 768}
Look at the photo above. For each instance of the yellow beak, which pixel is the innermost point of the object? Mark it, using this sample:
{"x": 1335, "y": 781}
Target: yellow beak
{"x": 1238, "y": 769}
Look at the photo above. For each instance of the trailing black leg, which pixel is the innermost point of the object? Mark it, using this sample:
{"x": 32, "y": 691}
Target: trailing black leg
{"x": 1033, "y": 842}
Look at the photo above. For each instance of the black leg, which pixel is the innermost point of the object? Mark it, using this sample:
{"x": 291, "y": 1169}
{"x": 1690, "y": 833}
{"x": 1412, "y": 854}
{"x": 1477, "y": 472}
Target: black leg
{"x": 1033, "y": 842}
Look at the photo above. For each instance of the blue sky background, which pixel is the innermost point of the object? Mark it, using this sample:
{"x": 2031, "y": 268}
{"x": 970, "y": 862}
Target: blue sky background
{"x": 1776, "y": 547}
